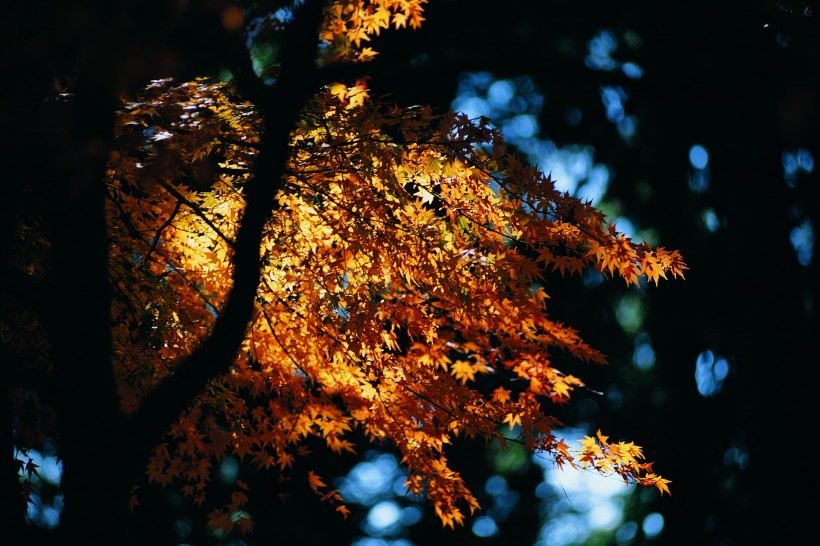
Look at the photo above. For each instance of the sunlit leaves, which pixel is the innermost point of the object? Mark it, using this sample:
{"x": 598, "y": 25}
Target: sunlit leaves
{"x": 348, "y": 23}
{"x": 623, "y": 459}
{"x": 398, "y": 295}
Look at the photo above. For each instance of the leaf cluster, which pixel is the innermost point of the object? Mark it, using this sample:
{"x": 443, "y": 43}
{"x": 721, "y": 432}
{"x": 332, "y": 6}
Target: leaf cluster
{"x": 401, "y": 291}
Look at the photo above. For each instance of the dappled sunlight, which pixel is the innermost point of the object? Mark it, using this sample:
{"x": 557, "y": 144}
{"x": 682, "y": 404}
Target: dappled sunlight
{"x": 710, "y": 372}
{"x": 513, "y": 106}
{"x": 710, "y": 220}
{"x": 698, "y": 156}
{"x": 601, "y": 47}
{"x": 378, "y": 484}
{"x": 43, "y": 470}
{"x": 699, "y": 174}
{"x": 644, "y": 356}
{"x": 802, "y": 240}
{"x": 577, "y": 504}
{"x": 797, "y": 165}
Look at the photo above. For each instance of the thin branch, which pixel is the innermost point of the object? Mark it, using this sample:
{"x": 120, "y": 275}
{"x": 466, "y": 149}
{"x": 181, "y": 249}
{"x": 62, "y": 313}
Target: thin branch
{"x": 161, "y": 229}
{"x": 197, "y": 210}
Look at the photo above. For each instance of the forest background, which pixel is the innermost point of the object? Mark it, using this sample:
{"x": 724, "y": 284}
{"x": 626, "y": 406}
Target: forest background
{"x": 693, "y": 125}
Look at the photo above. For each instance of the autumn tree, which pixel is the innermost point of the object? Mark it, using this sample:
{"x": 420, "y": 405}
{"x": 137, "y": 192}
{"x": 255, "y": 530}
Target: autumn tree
{"x": 281, "y": 257}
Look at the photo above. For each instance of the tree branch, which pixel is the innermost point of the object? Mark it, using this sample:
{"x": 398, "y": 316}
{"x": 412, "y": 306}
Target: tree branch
{"x": 280, "y": 107}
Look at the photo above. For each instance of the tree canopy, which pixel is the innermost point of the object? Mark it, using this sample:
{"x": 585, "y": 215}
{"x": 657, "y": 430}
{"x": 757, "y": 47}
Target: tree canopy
{"x": 289, "y": 257}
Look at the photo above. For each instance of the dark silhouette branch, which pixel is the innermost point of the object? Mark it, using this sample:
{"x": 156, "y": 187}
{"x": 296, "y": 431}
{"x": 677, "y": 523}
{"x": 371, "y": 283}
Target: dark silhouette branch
{"x": 167, "y": 223}
{"x": 280, "y": 107}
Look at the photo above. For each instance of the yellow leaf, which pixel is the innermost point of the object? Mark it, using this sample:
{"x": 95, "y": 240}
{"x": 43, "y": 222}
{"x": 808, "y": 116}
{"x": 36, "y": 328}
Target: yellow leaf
{"x": 501, "y": 395}
{"x": 513, "y": 419}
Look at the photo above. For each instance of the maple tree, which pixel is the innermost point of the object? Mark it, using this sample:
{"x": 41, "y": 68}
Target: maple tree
{"x": 302, "y": 260}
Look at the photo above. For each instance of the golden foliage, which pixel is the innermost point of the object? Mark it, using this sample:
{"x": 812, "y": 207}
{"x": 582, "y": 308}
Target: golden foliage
{"x": 398, "y": 294}
{"x": 399, "y": 269}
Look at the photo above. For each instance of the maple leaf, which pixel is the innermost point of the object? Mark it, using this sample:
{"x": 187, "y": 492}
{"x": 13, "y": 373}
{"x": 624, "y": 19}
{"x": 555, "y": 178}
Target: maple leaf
{"x": 220, "y": 520}
{"x": 652, "y": 268}
{"x": 425, "y": 195}
{"x": 660, "y": 483}
{"x": 315, "y": 481}
{"x": 501, "y": 395}
{"x": 463, "y": 371}
{"x": 513, "y": 419}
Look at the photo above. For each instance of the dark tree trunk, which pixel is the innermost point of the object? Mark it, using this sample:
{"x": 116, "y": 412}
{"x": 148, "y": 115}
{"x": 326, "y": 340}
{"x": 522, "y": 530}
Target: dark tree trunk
{"x": 57, "y": 161}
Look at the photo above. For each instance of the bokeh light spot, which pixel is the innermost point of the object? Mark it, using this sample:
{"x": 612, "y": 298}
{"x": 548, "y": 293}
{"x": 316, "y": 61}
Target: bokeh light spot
{"x": 383, "y": 515}
{"x": 710, "y": 372}
{"x": 710, "y": 220}
{"x": 495, "y": 485}
{"x": 802, "y": 240}
{"x": 600, "y": 49}
{"x": 233, "y": 18}
{"x": 484, "y": 527}
{"x": 229, "y": 470}
{"x": 626, "y": 533}
{"x": 653, "y": 525}
{"x": 644, "y": 356}
{"x": 632, "y": 71}
{"x": 698, "y": 157}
